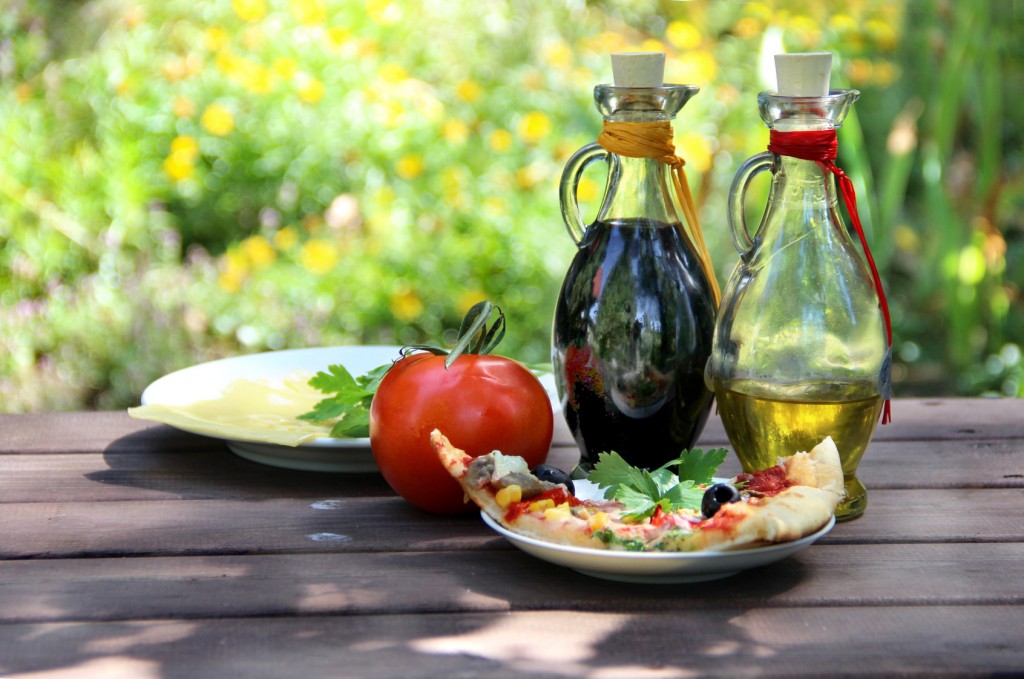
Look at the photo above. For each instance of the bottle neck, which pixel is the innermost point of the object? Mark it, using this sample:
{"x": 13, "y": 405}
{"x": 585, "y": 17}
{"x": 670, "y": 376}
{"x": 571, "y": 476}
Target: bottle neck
{"x": 803, "y": 187}
{"x": 638, "y": 189}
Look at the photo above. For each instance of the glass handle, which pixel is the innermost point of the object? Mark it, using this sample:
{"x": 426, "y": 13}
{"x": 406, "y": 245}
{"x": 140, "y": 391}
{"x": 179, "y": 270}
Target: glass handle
{"x": 737, "y": 192}
{"x": 570, "y": 181}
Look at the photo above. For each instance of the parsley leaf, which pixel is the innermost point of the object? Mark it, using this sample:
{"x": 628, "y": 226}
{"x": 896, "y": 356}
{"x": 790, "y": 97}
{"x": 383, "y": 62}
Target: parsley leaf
{"x": 348, "y": 402}
{"x": 642, "y": 491}
{"x": 697, "y": 465}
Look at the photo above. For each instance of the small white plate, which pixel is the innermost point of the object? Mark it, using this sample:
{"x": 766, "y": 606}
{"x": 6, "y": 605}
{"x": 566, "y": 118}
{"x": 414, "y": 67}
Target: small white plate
{"x": 653, "y": 567}
{"x": 208, "y": 380}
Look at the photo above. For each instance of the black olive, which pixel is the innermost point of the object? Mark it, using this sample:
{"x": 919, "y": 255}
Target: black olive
{"x": 716, "y": 496}
{"x": 546, "y": 472}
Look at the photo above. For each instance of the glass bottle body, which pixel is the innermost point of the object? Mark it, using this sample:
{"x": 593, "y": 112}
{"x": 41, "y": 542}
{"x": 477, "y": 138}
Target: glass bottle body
{"x": 634, "y": 317}
{"x": 799, "y": 351}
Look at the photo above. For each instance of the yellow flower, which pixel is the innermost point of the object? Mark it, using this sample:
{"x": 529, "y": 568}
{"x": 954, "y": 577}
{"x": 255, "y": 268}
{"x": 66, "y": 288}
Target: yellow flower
{"x": 338, "y": 35}
{"x": 228, "y": 64}
{"x": 455, "y": 131}
{"x": 384, "y": 11}
{"x": 409, "y": 166}
{"x": 309, "y": 12}
{"x": 179, "y": 166}
{"x": 392, "y": 74}
{"x": 859, "y": 71}
{"x": 587, "y": 190}
{"x": 216, "y": 38}
{"x": 558, "y": 54}
{"x": 500, "y": 140}
{"x": 453, "y": 183}
{"x": 606, "y": 43}
{"x": 311, "y": 90}
{"x": 695, "y": 66}
{"x": 318, "y": 256}
{"x": 467, "y": 299}
{"x": 253, "y": 76}
{"x": 747, "y": 27}
{"x": 469, "y": 90}
{"x": 495, "y": 206}
{"x": 406, "y": 305}
{"x": 186, "y": 146}
{"x": 697, "y": 150}
{"x": 235, "y": 271}
{"x": 286, "y": 238}
{"x": 258, "y": 251}
{"x": 534, "y": 126}
{"x": 284, "y": 68}
{"x": 249, "y": 10}
{"x": 842, "y": 24}
{"x": 759, "y": 10}
{"x": 683, "y": 35}
{"x": 652, "y": 45}
{"x": 806, "y": 30}
{"x": 218, "y": 120}
{"x": 882, "y": 33}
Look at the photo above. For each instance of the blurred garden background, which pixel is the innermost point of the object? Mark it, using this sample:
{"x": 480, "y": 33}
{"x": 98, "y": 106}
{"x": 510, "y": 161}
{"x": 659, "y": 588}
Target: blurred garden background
{"x": 182, "y": 181}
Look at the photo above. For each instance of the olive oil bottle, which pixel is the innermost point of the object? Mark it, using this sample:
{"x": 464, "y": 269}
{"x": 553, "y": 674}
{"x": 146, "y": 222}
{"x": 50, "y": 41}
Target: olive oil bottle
{"x": 802, "y": 343}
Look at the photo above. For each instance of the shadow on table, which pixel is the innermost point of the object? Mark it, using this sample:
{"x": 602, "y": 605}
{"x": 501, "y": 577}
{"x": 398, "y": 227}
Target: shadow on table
{"x": 188, "y": 466}
{"x": 513, "y": 616}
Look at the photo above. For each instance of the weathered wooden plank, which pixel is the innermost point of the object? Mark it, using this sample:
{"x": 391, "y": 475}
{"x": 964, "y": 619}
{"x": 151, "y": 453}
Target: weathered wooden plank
{"x": 218, "y": 474}
{"x": 400, "y": 583}
{"x": 718, "y": 642}
{"x": 922, "y": 419}
{"x": 334, "y": 523}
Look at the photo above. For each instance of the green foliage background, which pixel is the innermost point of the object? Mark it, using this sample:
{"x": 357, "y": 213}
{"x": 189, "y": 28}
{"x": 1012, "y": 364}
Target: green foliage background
{"x": 181, "y": 181}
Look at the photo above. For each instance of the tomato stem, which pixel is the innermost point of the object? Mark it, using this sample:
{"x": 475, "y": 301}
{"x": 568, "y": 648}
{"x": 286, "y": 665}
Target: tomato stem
{"x": 475, "y": 335}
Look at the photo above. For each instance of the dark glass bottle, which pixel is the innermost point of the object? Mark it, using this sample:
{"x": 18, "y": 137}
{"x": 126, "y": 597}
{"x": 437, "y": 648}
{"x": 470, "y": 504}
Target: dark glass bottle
{"x": 635, "y": 316}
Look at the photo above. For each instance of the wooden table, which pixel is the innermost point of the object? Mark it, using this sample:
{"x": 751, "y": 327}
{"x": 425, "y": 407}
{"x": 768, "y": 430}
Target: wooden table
{"x": 132, "y": 549}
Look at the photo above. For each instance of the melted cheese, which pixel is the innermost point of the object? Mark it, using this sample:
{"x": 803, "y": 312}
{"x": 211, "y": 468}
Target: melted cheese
{"x": 247, "y": 410}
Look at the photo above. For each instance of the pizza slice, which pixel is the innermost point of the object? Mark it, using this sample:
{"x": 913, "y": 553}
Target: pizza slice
{"x": 779, "y": 504}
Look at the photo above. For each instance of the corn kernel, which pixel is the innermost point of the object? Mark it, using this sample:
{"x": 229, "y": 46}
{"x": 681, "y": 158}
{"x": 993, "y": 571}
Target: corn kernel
{"x": 508, "y": 495}
{"x": 598, "y": 521}
{"x": 559, "y": 513}
{"x": 541, "y": 505}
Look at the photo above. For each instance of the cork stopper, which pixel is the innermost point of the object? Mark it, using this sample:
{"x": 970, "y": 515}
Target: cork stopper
{"x": 638, "y": 69}
{"x": 805, "y": 74}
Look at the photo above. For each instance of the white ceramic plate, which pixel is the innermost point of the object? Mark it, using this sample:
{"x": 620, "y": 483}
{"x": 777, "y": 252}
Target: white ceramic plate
{"x": 208, "y": 380}
{"x": 653, "y": 567}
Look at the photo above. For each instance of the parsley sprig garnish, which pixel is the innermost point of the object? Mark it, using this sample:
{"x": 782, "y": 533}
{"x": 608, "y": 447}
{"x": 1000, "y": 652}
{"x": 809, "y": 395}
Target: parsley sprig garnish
{"x": 642, "y": 491}
{"x": 349, "y": 400}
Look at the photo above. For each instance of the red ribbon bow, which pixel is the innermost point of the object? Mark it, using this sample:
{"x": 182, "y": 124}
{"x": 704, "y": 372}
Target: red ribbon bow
{"x": 822, "y": 146}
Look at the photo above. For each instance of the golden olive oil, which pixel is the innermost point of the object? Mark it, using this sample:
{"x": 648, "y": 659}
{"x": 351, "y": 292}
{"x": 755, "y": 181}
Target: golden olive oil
{"x": 764, "y": 429}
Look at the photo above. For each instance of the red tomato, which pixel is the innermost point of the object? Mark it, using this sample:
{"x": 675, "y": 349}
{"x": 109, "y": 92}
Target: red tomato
{"x": 481, "y": 403}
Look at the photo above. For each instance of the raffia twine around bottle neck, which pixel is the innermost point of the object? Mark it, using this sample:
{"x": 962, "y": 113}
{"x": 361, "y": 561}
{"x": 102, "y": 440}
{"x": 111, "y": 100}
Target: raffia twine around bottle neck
{"x": 655, "y": 140}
